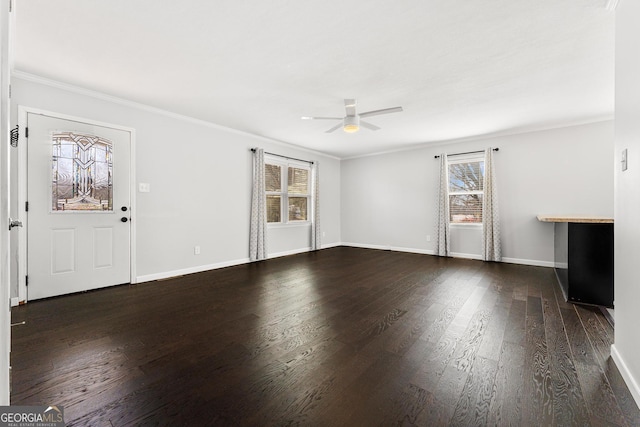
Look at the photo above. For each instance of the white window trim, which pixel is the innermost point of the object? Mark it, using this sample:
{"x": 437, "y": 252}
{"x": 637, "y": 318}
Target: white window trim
{"x": 470, "y": 158}
{"x": 465, "y": 224}
{"x": 284, "y": 196}
{"x": 289, "y": 224}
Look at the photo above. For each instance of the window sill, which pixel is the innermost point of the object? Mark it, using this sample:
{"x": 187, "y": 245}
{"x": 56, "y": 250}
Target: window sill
{"x": 466, "y": 225}
{"x": 290, "y": 224}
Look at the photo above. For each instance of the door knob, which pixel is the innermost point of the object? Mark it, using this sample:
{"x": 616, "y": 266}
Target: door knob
{"x": 124, "y": 219}
{"x": 123, "y": 209}
{"x": 14, "y": 223}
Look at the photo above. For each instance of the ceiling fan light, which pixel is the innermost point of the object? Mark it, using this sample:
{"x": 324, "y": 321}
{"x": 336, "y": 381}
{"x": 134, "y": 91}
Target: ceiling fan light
{"x": 351, "y": 124}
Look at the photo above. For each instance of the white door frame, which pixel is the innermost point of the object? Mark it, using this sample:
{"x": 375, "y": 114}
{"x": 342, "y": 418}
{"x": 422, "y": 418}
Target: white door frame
{"x": 22, "y": 191}
{"x": 5, "y": 282}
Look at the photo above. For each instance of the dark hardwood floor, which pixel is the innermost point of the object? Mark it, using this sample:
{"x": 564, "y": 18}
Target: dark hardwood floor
{"x": 339, "y": 337}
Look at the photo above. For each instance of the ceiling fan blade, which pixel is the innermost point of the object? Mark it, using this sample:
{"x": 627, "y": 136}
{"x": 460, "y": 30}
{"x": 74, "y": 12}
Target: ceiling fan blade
{"x": 368, "y": 125}
{"x": 350, "y": 106}
{"x": 383, "y": 111}
{"x": 335, "y": 128}
{"x": 320, "y": 118}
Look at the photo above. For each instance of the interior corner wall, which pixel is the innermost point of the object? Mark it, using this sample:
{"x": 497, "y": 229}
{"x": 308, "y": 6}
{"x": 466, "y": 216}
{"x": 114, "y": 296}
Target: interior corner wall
{"x": 389, "y": 200}
{"x": 200, "y": 177}
{"x": 626, "y": 350}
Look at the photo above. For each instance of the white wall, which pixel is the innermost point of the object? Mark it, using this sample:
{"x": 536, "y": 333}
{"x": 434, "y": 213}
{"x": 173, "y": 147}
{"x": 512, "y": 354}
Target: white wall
{"x": 626, "y": 350}
{"x": 200, "y": 178}
{"x": 388, "y": 200}
{"x": 200, "y": 188}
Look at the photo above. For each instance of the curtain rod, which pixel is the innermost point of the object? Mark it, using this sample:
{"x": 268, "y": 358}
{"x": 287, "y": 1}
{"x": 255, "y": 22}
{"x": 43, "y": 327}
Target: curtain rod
{"x": 285, "y": 157}
{"x": 468, "y": 152}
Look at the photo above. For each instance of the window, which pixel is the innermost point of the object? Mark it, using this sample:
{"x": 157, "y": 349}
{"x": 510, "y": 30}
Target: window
{"x": 466, "y": 189}
{"x": 82, "y": 168}
{"x": 287, "y": 188}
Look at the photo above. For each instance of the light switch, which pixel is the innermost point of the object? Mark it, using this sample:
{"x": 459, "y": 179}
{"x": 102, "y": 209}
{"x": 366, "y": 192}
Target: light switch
{"x": 624, "y": 159}
{"x": 144, "y": 187}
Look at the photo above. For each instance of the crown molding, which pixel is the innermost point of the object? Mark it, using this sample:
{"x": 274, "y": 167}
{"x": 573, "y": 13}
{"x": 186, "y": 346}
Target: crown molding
{"x": 612, "y": 4}
{"x": 22, "y": 75}
{"x": 507, "y": 132}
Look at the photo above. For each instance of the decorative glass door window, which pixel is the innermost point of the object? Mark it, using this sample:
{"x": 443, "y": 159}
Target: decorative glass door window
{"x": 82, "y": 172}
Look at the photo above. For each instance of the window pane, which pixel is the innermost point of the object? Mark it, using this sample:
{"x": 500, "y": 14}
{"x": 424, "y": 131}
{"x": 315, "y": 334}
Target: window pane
{"x": 298, "y": 181}
{"x": 272, "y": 178}
{"x": 297, "y": 208}
{"x": 465, "y": 208}
{"x": 82, "y": 169}
{"x": 466, "y": 176}
{"x": 273, "y": 209}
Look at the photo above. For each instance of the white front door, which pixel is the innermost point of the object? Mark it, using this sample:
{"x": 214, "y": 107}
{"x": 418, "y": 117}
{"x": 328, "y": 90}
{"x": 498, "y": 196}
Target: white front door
{"x": 78, "y": 193}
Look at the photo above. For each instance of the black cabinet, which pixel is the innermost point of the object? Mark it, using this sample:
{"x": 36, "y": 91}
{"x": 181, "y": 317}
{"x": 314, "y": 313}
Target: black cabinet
{"x": 584, "y": 262}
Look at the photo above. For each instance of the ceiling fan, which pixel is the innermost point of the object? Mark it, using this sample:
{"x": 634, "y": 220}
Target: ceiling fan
{"x": 351, "y": 121}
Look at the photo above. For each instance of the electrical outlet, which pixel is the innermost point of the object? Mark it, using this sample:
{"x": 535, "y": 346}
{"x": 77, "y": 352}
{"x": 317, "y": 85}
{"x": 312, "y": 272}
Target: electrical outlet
{"x": 196, "y": 250}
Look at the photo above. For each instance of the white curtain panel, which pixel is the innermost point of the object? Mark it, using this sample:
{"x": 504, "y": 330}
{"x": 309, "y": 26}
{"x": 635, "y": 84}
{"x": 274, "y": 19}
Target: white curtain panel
{"x": 258, "y": 227}
{"x": 490, "y": 220}
{"x": 443, "y": 238}
{"x": 316, "y": 232}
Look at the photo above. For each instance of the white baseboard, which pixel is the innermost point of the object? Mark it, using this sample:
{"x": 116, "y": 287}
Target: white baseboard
{"x": 533, "y": 262}
{"x": 15, "y": 301}
{"x": 412, "y": 250}
{"x": 300, "y": 251}
{"x": 201, "y": 268}
{"x": 389, "y": 248}
{"x": 631, "y": 382}
{"x": 190, "y": 270}
{"x": 207, "y": 267}
{"x": 466, "y": 256}
{"x": 287, "y": 253}
{"x": 332, "y": 245}
{"x": 366, "y": 246}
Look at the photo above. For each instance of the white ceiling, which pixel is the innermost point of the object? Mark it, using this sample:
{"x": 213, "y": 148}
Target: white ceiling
{"x": 459, "y": 68}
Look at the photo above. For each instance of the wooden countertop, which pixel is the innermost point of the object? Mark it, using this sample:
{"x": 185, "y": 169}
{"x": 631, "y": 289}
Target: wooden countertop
{"x": 576, "y": 218}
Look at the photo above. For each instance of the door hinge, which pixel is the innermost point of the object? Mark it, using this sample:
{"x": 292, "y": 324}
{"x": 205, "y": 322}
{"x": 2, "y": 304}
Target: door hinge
{"x": 10, "y": 6}
{"x": 26, "y": 206}
{"x": 26, "y": 280}
{"x": 26, "y": 132}
{"x": 15, "y": 135}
